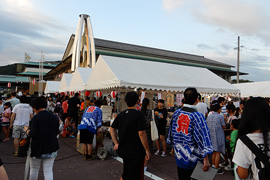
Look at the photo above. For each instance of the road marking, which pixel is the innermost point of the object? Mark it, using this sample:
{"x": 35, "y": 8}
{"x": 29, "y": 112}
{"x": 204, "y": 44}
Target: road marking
{"x": 148, "y": 174}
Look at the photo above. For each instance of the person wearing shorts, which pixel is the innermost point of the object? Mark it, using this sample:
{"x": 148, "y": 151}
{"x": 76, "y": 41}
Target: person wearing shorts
{"x": 5, "y": 120}
{"x": 161, "y": 119}
{"x": 21, "y": 115}
{"x": 89, "y": 126}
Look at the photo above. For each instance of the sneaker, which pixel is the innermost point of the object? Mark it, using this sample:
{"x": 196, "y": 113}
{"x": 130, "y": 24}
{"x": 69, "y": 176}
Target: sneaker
{"x": 213, "y": 166}
{"x": 72, "y": 136}
{"x": 229, "y": 167}
{"x": 224, "y": 164}
{"x": 220, "y": 171}
{"x": 90, "y": 157}
{"x": 6, "y": 139}
{"x": 157, "y": 153}
{"x": 163, "y": 154}
{"x": 145, "y": 168}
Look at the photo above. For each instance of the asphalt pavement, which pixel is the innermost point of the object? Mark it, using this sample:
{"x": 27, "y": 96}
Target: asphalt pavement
{"x": 70, "y": 165}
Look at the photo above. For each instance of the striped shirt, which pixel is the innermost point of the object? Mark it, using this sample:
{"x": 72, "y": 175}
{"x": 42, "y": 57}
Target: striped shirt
{"x": 190, "y": 136}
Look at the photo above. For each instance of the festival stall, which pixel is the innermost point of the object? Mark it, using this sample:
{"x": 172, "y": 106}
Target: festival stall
{"x": 79, "y": 79}
{"x": 52, "y": 87}
{"x": 254, "y": 89}
{"x": 65, "y": 82}
{"x": 153, "y": 78}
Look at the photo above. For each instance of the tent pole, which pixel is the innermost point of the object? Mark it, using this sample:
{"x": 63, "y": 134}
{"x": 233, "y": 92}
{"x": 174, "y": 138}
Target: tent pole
{"x": 118, "y": 101}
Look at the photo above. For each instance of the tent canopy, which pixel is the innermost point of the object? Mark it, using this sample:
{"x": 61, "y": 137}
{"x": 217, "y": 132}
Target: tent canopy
{"x": 65, "y": 82}
{"x": 79, "y": 79}
{"x": 52, "y": 87}
{"x": 111, "y": 72}
{"x": 254, "y": 89}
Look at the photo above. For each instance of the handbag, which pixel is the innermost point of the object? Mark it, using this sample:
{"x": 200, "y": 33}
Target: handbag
{"x": 23, "y": 146}
{"x": 154, "y": 131}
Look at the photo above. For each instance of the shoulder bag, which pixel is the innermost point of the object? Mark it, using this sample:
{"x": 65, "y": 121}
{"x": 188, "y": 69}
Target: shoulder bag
{"x": 154, "y": 131}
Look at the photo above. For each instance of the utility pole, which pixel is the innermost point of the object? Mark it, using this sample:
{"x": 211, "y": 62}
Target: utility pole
{"x": 238, "y": 54}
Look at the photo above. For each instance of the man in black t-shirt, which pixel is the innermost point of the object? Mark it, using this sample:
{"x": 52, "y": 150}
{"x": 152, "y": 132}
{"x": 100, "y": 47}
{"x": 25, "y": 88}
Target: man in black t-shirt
{"x": 73, "y": 108}
{"x": 161, "y": 119}
{"x": 132, "y": 145}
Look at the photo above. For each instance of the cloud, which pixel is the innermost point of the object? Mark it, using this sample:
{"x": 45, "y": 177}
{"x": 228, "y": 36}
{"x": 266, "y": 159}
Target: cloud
{"x": 170, "y": 5}
{"x": 242, "y": 16}
{"x": 204, "y": 46}
{"x": 24, "y": 29}
{"x": 225, "y": 46}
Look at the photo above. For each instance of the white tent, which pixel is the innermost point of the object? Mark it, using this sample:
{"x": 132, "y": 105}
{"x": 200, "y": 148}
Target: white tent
{"x": 65, "y": 82}
{"x": 254, "y": 89}
{"x": 52, "y": 87}
{"x": 111, "y": 72}
{"x": 79, "y": 79}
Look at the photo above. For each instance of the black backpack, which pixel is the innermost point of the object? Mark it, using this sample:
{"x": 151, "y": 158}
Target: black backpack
{"x": 264, "y": 173}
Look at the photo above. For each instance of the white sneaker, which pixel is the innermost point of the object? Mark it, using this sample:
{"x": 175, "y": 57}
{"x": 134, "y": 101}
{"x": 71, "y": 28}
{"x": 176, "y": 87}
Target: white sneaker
{"x": 163, "y": 154}
{"x": 229, "y": 168}
{"x": 145, "y": 168}
{"x": 157, "y": 152}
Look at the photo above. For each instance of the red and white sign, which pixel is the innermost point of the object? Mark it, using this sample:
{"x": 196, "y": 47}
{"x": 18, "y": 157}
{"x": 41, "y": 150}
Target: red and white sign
{"x": 9, "y": 85}
{"x": 34, "y": 81}
{"x": 99, "y": 94}
{"x": 113, "y": 94}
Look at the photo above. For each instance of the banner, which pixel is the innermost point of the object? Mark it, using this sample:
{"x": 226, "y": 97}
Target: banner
{"x": 142, "y": 96}
{"x": 159, "y": 96}
{"x": 170, "y": 100}
{"x": 179, "y": 98}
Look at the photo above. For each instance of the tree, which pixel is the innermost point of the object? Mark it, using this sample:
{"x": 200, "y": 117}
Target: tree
{"x": 241, "y": 81}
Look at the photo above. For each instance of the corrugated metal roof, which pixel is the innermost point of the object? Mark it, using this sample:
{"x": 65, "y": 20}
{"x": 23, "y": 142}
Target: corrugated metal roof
{"x": 15, "y": 79}
{"x": 30, "y": 73}
{"x": 37, "y": 64}
{"x": 100, "y": 43}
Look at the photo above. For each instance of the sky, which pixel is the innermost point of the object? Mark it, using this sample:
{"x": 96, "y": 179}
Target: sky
{"x": 203, "y": 27}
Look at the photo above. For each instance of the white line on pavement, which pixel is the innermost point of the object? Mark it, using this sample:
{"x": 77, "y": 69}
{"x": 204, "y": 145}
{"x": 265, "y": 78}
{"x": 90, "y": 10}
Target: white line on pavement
{"x": 148, "y": 174}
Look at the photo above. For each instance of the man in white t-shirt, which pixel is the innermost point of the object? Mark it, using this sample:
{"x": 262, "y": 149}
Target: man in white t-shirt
{"x": 21, "y": 115}
{"x": 202, "y": 107}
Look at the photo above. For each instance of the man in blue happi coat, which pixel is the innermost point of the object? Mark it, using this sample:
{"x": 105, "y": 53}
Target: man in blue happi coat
{"x": 91, "y": 121}
{"x": 190, "y": 136}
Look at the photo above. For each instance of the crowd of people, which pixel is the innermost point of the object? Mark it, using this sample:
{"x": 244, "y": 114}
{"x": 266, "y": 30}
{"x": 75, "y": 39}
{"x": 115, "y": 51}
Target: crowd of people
{"x": 196, "y": 133}
{"x": 42, "y": 120}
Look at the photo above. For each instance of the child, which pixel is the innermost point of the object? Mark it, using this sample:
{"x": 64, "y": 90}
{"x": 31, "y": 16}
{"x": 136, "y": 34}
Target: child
{"x": 216, "y": 124}
{"x": 232, "y": 138}
{"x": 228, "y": 156}
{"x": 70, "y": 125}
{"x": 254, "y": 124}
{"x": 5, "y": 120}
{"x": 234, "y": 134}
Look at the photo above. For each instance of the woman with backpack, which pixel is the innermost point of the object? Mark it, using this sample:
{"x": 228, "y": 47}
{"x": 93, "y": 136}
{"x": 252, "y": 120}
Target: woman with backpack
{"x": 254, "y": 126}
